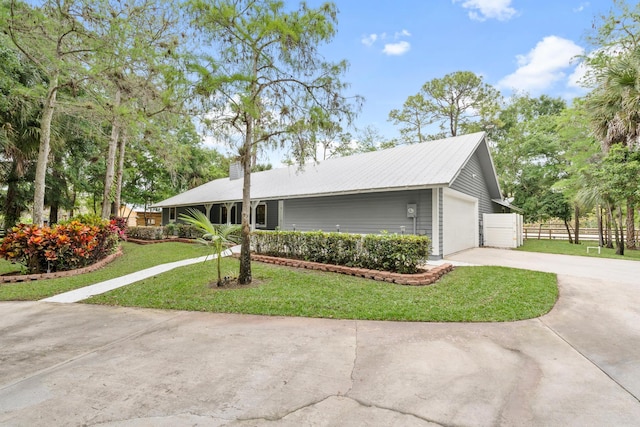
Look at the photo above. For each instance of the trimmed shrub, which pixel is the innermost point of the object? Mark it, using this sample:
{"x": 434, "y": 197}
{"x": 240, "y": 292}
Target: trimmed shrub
{"x": 64, "y": 247}
{"x": 146, "y": 233}
{"x": 170, "y": 229}
{"x": 189, "y": 231}
{"x": 387, "y": 252}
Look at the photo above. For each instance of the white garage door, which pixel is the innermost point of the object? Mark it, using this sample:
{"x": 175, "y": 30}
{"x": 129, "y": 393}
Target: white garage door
{"x": 460, "y": 222}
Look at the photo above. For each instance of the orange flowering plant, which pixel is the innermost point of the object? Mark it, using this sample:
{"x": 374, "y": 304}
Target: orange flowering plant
{"x": 63, "y": 247}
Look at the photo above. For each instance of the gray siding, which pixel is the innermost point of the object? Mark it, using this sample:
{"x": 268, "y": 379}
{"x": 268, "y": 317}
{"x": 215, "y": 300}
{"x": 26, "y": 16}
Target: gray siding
{"x": 440, "y": 215}
{"x": 472, "y": 181}
{"x": 368, "y": 213}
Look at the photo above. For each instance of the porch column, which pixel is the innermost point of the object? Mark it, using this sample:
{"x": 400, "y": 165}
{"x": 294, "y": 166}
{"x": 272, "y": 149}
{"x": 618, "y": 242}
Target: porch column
{"x": 228, "y": 206}
{"x": 207, "y": 207}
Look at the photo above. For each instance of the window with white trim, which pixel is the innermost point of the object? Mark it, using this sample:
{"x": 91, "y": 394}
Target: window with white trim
{"x": 172, "y": 214}
{"x": 261, "y": 215}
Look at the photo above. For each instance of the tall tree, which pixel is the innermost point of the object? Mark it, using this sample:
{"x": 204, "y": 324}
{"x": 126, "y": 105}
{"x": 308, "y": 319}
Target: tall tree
{"x": 19, "y": 130}
{"x": 528, "y": 153}
{"x": 136, "y": 73}
{"x": 615, "y": 75}
{"x": 454, "y": 102}
{"x": 53, "y": 38}
{"x": 268, "y": 82}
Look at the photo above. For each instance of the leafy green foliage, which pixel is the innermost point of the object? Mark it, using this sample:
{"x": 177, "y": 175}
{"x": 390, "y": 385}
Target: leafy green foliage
{"x": 218, "y": 237}
{"x": 388, "y": 252}
{"x": 455, "y": 102}
{"x": 146, "y": 233}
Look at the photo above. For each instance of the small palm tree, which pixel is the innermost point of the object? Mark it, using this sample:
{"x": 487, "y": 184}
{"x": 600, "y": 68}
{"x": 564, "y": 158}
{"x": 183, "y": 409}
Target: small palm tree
{"x": 216, "y": 236}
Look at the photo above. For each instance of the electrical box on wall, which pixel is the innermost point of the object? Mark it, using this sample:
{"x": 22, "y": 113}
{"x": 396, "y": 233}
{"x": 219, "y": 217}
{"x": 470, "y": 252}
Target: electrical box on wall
{"x": 412, "y": 210}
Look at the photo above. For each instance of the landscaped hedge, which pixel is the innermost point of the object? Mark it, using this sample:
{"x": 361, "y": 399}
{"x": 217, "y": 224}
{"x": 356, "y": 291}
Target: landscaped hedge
{"x": 387, "y": 252}
{"x": 64, "y": 247}
{"x": 146, "y": 233}
{"x": 189, "y": 231}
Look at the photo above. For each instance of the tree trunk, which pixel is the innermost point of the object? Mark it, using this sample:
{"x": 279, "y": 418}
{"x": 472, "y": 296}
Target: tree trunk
{"x": 566, "y": 224}
{"x": 631, "y": 226}
{"x": 111, "y": 159}
{"x": 120, "y": 172}
{"x": 244, "y": 277}
{"x": 608, "y": 226}
{"x": 576, "y": 214}
{"x": 600, "y": 231}
{"x": 43, "y": 152}
{"x": 53, "y": 214}
{"x": 12, "y": 209}
{"x": 620, "y": 226}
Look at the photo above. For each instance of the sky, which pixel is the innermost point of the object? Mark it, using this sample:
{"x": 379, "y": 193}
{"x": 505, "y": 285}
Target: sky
{"x": 394, "y": 47}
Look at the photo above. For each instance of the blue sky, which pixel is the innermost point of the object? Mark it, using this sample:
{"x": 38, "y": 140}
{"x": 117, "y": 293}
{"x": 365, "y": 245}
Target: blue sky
{"x": 394, "y": 47}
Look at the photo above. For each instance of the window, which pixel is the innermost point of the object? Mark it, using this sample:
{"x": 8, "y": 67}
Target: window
{"x": 172, "y": 214}
{"x": 261, "y": 215}
{"x": 223, "y": 215}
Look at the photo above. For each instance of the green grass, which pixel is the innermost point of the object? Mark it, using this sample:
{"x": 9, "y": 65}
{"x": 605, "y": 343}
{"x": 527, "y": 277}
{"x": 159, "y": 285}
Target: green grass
{"x": 565, "y": 248}
{"x": 134, "y": 258}
{"x": 469, "y": 294}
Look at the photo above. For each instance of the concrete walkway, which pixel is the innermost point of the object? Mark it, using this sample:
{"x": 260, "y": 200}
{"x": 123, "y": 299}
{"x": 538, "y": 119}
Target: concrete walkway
{"x": 77, "y": 364}
{"x": 80, "y": 294}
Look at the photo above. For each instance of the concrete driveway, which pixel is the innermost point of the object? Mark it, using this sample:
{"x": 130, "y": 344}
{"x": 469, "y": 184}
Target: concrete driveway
{"x": 77, "y": 364}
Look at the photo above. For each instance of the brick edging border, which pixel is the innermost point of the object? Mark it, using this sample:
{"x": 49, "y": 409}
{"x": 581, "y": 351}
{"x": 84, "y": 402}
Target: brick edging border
{"x": 427, "y": 277}
{"x": 31, "y": 277}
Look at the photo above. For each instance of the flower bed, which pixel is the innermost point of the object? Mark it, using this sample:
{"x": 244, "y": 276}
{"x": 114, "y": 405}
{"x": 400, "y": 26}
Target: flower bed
{"x": 66, "y": 246}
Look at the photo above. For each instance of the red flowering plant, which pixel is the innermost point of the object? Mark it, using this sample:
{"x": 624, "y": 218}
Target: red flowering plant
{"x": 64, "y": 247}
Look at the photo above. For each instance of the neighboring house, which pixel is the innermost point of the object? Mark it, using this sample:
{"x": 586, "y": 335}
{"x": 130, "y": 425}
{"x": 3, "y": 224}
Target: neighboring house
{"x": 146, "y": 218}
{"x": 436, "y": 188}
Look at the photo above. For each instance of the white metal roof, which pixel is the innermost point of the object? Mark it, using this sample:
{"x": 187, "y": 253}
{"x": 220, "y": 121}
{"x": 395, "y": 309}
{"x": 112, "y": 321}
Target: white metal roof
{"x": 427, "y": 164}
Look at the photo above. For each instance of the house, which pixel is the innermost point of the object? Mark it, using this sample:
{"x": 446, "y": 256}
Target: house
{"x": 147, "y": 218}
{"x": 437, "y": 188}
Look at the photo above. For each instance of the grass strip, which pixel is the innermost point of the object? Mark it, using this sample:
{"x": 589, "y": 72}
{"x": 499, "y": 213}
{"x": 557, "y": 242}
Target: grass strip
{"x": 565, "y": 248}
{"x": 468, "y": 294}
{"x": 134, "y": 258}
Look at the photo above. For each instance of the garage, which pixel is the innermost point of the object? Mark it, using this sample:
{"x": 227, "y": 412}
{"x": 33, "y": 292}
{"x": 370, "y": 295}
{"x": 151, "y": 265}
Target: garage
{"x": 460, "y": 221}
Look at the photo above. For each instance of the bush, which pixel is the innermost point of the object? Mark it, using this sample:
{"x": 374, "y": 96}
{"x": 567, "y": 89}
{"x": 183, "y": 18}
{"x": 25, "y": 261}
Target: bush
{"x": 189, "y": 231}
{"x": 388, "y": 252}
{"x": 66, "y": 246}
{"x": 146, "y": 233}
{"x": 170, "y": 229}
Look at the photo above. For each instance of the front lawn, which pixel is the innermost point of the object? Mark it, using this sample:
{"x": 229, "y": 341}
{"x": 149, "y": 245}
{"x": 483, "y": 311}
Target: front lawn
{"x": 565, "y": 248}
{"x": 134, "y": 258}
{"x": 469, "y": 294}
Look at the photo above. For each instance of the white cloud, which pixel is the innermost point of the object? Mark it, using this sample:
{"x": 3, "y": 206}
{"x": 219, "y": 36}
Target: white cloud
{"x": 544, "y": 65}
{"x": 396, "y": 49}
{"x": 369, "y": 40}
{"x": 582, "y": 7}
{"x": 481, "y": 10}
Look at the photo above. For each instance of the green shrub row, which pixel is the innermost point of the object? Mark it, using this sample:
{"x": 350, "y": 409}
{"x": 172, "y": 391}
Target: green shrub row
{"x": 146, "y": 233}
{"x": 387, "y": 252}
